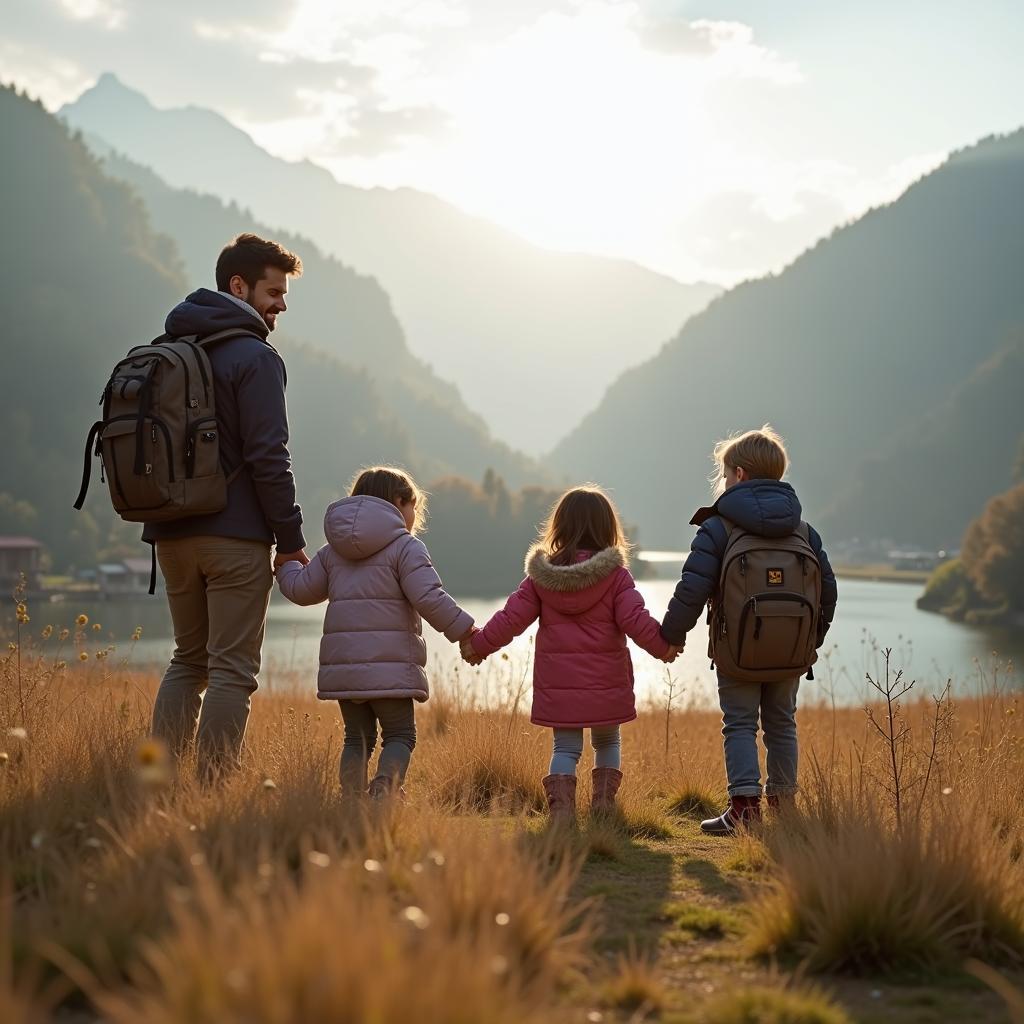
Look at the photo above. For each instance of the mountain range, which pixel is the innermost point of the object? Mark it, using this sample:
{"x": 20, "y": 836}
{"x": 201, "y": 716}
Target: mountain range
{"x": 90, "y": 277}
{"x": 530, "y": 336}
{"x": 887, "y": 355}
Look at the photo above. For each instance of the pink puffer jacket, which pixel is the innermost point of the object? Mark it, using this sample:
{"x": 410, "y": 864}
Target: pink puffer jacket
{"x": 582, "y": 675}
{"x": 379, "y": 580}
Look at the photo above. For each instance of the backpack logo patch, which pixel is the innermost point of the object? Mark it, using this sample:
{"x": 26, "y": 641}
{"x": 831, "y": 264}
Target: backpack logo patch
{"x": 775, "y": 578}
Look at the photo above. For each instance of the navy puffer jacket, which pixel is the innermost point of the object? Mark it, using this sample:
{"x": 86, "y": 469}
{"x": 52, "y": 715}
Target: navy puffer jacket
{"x": 768, "y": 508}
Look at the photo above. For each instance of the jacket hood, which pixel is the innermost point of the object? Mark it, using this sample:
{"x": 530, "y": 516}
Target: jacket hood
{"x": 574, "y": 589}
{"x": 206, "y": 312}
{"x": 767, "y": 508}
{"x": 360, "y": 526}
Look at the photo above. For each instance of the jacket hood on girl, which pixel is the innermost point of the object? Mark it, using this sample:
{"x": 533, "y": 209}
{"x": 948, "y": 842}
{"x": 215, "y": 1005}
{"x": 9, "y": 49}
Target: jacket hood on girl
{"x": 360, "y": 526}
{"x": 574, "y": 589}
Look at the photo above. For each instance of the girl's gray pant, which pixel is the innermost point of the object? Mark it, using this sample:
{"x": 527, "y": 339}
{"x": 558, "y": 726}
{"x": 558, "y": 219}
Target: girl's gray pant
{"x": 398, "y": 737}
{"x": 568, "y": 748}
{"x": 775, "y": 705}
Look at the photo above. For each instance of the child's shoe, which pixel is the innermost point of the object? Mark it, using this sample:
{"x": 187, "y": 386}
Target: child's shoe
{"x": 605, "y": 784}
{"x": 742, "y": 812}
{"x": 782, "y": 804}
{"x": 383, "y": 787}
{"x": 560, "y": 791}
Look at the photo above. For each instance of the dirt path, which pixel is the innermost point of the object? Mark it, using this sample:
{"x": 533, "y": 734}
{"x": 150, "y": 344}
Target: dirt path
{"x": 684, "y": 903}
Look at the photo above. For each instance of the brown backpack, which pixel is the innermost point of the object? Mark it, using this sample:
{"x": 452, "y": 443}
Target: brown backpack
{"x": 765, "y": 615}
{"x": 158, "y": 439}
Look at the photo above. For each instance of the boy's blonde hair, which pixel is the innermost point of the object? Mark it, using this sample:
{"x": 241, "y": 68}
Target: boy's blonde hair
{"x": 394, "y": 485}
{"x": 583, "y": 519}
{"x": 761, "y": 453}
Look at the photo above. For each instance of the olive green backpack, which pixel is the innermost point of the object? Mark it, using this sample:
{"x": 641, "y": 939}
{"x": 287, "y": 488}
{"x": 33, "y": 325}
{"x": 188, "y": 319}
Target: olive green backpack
{"x": 158, "y": 439}
{"x": 766, "y": 613}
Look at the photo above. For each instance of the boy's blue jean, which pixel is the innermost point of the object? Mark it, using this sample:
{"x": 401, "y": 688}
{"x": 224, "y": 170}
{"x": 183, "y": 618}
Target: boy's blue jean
{"x": 742, "y": 705}
{"x": 568, "y": 748}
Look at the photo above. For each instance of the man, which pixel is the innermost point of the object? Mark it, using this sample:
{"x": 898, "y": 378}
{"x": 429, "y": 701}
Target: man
{"x": 217, "y": 567}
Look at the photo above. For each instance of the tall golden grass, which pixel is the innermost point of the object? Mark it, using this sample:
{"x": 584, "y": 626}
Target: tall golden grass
{"x": 128, "y": 888}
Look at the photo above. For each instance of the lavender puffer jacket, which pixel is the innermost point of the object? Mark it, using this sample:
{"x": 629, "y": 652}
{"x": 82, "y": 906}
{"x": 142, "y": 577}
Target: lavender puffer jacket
{"x": 379, "y": 580}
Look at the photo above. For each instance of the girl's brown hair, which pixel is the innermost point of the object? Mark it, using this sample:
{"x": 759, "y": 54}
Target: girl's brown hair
{"x": 583, "y": 519}
{"x": 394, "y": 485}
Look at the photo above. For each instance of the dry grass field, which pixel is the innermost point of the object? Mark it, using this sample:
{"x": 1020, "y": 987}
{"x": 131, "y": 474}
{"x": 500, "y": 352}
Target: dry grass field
{"x": 894, "y": 892}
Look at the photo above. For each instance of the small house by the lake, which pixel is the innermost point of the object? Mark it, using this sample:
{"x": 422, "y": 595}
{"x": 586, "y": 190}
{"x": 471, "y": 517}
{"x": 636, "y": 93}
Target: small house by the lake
{"x": 126, "y": 578}
{"x": 19, "y": 555}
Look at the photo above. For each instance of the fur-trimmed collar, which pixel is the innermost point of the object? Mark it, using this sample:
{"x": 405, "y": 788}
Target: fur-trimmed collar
{"x": 579, "y": 576}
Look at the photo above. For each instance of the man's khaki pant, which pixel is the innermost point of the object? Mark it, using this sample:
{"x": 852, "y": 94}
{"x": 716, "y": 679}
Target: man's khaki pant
{"x": 218, "y": 589}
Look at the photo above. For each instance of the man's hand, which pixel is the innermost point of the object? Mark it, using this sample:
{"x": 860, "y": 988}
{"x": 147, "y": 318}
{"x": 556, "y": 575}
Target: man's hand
{"x": 672, "y": 653}
{"x": 290, "y": 556}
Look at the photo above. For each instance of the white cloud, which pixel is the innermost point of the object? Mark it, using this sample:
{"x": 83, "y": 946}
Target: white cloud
{"x": 615, "y": 127}
{"x": 105, "y": 12}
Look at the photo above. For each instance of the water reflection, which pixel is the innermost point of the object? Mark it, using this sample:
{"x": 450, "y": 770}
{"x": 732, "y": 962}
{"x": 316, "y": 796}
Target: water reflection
{"x": 871, "y": 615}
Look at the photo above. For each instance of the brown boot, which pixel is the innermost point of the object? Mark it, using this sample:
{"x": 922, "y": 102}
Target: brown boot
{"x": 742, "y": 812}
{"x": 561, "y": 793}
{"x": 605, "y": 784}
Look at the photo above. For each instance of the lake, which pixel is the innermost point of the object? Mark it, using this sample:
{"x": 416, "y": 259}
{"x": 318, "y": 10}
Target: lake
{"x": 872, "y": 615}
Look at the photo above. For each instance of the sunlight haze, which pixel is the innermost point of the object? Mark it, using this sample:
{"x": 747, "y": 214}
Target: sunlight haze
{"x": 707, "y": 141}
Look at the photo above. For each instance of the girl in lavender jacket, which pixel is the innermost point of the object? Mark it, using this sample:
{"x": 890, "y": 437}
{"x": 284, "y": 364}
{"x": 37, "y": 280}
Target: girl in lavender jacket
{"x": 378, "y": 577}
{"x": 578, "y": 585}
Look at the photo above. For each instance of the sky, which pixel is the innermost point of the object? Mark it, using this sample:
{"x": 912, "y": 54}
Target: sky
{"x": 707, "y": 140}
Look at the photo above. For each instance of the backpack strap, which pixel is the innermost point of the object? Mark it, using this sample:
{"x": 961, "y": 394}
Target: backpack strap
{"x": 94, "y": 431}
{"x": 804, "y": 530}
{"x": 211, "y": 339}
{"x": 206, "y": 341}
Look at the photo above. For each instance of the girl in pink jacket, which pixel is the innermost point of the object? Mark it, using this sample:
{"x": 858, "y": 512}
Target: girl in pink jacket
{"x": 377, "y": 578}
{"x": 578, "y": 585}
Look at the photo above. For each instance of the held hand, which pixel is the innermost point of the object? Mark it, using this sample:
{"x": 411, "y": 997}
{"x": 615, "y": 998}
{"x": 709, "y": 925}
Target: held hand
{"x": 290, "y": 556}
{"x": 672, "y": 653}
{"x": 469, "y": 656}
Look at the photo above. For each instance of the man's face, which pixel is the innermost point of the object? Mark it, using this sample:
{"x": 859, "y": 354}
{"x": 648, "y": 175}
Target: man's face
{"x": 267, "y": 298}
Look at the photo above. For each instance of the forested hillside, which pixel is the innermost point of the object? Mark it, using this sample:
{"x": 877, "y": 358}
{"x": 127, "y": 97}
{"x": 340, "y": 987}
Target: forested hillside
{"x": 346, "y": 314}
{"x": 868, "y": 348}
{"x": 89, "y": 277}
{"x": 471, "y": 296}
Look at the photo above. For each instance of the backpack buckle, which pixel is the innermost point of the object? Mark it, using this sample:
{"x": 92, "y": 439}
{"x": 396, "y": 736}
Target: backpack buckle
{"x": 149, "y": 468}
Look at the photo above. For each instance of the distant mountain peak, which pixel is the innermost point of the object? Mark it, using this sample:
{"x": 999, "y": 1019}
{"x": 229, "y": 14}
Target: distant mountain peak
{"x": 109, "y": 90}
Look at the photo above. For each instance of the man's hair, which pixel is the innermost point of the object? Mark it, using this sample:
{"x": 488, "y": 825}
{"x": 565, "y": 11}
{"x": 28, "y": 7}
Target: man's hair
{"x": 248, "y": 257}
{"x": 762, "y": 453}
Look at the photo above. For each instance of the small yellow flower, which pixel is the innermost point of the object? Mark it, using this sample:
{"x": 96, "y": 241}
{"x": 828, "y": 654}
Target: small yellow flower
{"x": 22, "y": 608}
{"x": 60, "y": 666}
{"x": 96, "y": 627}
{"x": 82, "y": 620}
{"x": 137, "y": 635}
{"x": 100, "y": 655}
{"x": 64, "y": 634}
{"x": 83, "y": 655}
{"x": 153, "y": 763}
{"x": 12, "y": 646}
{"x": 150, "y": 751}
{"x": 23, "y": 620}
{"x": 47, "y": 632}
